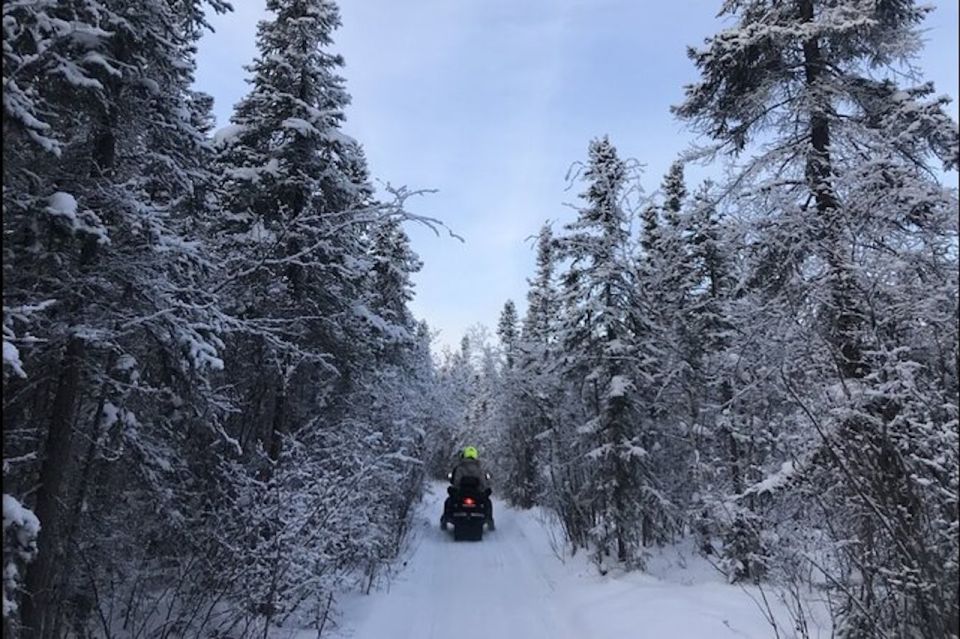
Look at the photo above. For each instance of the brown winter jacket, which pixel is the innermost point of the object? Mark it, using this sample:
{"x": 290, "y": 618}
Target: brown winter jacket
{"x": 468, "y": 468}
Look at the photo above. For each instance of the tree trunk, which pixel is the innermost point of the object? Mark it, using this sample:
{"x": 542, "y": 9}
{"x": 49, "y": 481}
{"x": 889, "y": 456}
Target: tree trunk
{"x": 278, "y": 425}
{"x": 40, "y": 597}
{"x": 735, "y": 475}
{"x": 819, "y": 173}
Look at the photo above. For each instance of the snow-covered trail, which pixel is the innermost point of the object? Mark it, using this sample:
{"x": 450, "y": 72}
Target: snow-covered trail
{"x": 512, "y": 585}
{"x": 471, "y": 590}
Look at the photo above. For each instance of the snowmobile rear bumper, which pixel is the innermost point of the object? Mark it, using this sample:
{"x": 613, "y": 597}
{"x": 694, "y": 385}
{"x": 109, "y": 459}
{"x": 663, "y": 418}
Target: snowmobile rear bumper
{"x": 468, "y": 525}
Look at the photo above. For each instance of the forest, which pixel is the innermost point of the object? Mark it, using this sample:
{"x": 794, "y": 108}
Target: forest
{"x": 219, "y": 411}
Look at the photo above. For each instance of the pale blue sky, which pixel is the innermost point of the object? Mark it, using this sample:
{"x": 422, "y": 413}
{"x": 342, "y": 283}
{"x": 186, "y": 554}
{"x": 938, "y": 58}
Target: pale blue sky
{"x": 491, "y": 101}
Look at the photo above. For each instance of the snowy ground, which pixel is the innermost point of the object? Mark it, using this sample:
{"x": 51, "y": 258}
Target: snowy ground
{"x": 512, "y": 585}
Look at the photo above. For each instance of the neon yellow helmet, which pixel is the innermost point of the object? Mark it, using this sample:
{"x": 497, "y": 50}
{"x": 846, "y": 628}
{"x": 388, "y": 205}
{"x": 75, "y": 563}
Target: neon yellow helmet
{"x": 469, "y": 452}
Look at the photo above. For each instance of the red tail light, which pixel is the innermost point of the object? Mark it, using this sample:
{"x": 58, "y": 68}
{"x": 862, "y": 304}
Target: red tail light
{"x": 468, "y": 501}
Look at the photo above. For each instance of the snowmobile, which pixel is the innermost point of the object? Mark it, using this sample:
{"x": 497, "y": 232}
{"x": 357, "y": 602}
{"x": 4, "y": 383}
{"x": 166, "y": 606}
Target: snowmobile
{"x": 469, "y": 511}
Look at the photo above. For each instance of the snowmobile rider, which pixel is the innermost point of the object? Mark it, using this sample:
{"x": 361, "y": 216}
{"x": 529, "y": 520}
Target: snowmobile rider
{"x": 468, "y": 468}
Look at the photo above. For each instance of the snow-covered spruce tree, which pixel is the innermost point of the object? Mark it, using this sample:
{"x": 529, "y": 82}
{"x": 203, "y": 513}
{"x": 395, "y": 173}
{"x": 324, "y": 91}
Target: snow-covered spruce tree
{"x": 116, "y": 271}
{"x": 514, "y": 418}
{"x": 291, "y": 234}
{"x": 670, "y": 303}
{"x": 441, "y": 403}
{"x": 848, "y": 225}
{"x": 322, "y": 354}
{"x": 523, "y": 401}
{"x": 669, "y": 251}
{"x": 714, "y": 467}
{"x": 602, "y": 365}
{"x": 682, "y": 266}
{"x": 20, "y": 530}
{"x": 391, "y": 399}
{"x": 541, "y": 296}
{"x": 391, "y": 289}
{"x": 663, "y": 239}
{"x": 665, "y": 275}
{"x": 98, "y": 157}
{"x": 538, "y": 383}
{"x": 508, "y": 330}
{"x": 744, "y": 430}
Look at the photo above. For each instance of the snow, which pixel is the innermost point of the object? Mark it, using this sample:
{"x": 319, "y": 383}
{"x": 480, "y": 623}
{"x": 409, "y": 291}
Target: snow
{"x": 403, "y": 458}
{"x": 93, "y": 57}
{"x": 591, "y": 426}
{"x": 252, "y": 174}
{"x": 19, "y": 111}
{"x": 15, "y": 513}
{"x": 619, "y": 386}
{"x": 339, "y": 137}
{"x": 11, "y": 358}
{"x": 64, "y": 205}
{"x": 227, "y": 135}
{"x": 20, "y": 530}
{"x": 774, "y": 481}
{"x": 513, "y": 585}
{"x": 17, "y": 105}
{"x": 111, "y": 414}
{"x": 299, "y": 125}
{"x": 260, "y": 234}
{"x": 389, "y": 330}
{"x": 200, "y": 350}
{"x": 635, "y": 451}
{"x": 76, "y": 77}
{"x": 599, "y": 452}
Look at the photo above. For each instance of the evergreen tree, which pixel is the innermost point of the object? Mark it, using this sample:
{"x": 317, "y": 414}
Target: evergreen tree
{"x": 293, "y": 229}
{"x": 596, "y": 334}
{"x": 795, "y": 61}
{"x": 100, "y": 161}
{"x": 842, "y": 205}
{"x": 541, "y": 298}
{"x": 674, "y": 193}
{"x": 525, "y": 407}
{"x": 650, "y": 235}
{"x": 391, "y": 288}
{"x": 139, "y": 265}
{"x": 508, "y": 332}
